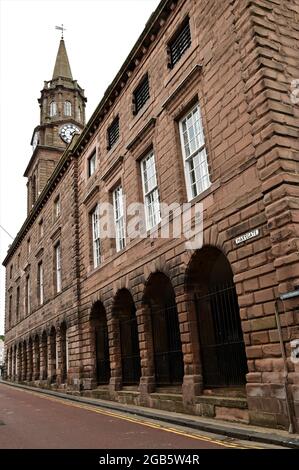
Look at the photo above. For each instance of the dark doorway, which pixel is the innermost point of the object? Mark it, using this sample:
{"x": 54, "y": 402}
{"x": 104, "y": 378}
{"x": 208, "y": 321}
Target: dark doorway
{"x": 168, "y": 356}
{"x": 125, "y": 311}
{"x": 101, "y": 343}
{"x": 221, "y": 341}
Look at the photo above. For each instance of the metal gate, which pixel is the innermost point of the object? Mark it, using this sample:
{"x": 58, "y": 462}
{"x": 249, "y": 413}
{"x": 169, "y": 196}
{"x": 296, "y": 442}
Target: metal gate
{"x": 221, "y": 340}
{"x": 130, "y": 354}
{"x": 168, "y": 356}
{"x": 102, "y": 354}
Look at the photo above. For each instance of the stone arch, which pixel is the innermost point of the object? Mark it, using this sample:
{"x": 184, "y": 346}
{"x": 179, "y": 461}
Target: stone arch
{"x": 213, "y": 302}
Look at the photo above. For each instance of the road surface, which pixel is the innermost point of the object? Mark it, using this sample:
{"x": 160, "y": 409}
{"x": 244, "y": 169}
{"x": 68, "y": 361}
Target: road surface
{"x": 30, "y": 420}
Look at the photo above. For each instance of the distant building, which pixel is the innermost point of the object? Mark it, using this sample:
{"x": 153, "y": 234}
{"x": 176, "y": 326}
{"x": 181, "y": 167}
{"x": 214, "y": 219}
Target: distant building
{"x": 201, "y": 112}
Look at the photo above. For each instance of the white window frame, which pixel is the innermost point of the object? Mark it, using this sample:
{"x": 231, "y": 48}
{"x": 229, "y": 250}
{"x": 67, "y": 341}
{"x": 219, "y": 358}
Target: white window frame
{"x": 150, "y": 191}
{"x": 67, "y": 108}
{"x": 96, "y": 242}
{"x": 58, "y": 279}
{"x": 28, "y": 295}
{"x": 119, "y": 219}
{"x": 41, "y": 283}
{"x": 194, "y": 153}
{"x": 57, "y": 207}
{"x": 91, "y": 164}
{"x": 53, "y": 108}
{"x": 41, "y": 229}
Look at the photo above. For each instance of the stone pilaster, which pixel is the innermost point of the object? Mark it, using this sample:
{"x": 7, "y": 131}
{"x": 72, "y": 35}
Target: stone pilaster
{"x": 147, "y": 379}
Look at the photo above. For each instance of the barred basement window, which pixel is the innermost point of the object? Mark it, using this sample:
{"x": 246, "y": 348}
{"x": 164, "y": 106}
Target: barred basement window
{"x": 179, "y": 43}
{"x": 141, "y": 95}
{"x": 113, "y": 133}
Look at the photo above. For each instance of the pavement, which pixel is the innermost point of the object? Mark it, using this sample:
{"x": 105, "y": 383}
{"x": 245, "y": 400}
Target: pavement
{"x": 233, "y": 434}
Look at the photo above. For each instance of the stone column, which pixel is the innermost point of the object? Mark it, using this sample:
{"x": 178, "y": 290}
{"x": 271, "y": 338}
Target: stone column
{"x": 19, "y": 363}
{"x": 58, "y": 357}
{"x": 192, "y": 382}
{"x": 115, "y": 383}
{"x": 43, "y": 359}
{"x": 29, "y": 361}
{"x": 7, "y": 364}
{"x": 36, "y": 359}
{"x": 12, "y": 370}
{"x": 147, "y": 379}
{"x": 51, "y": 360}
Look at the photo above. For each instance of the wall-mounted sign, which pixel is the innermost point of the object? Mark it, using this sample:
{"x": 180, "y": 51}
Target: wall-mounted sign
{"x": 247, "y": 236}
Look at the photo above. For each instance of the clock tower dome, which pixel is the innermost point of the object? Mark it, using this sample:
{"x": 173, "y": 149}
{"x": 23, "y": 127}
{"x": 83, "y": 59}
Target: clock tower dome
{"x": 62, "y": 113}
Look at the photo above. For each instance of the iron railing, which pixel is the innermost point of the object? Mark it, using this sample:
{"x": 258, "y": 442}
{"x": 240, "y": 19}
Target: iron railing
{"x": 131, "y": 369}
{"x": 168, "y": 357}
{"x": 102, "y": 355}
{"x": 221, "y": 340}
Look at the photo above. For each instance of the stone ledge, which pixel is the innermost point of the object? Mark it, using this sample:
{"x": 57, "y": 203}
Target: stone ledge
{"x": 228, "y": 402}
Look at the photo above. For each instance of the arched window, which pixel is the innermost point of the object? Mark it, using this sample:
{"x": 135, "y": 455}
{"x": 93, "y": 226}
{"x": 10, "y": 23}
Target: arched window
{"x": 79, "y": 113}
{"x": 53, "y": 108}
{"x": 67, "y": 108}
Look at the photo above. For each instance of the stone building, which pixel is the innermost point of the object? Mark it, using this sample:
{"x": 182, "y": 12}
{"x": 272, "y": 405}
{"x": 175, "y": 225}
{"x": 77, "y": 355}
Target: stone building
{"x": 203, "y": 111}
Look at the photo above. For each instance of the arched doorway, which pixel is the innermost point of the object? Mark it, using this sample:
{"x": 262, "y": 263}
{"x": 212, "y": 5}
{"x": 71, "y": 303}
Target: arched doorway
{"x": 168, "y": 357}
{"x": 125, "y": 310}
{"x": 211, "y": 286}
{"x": 99, "y": 332}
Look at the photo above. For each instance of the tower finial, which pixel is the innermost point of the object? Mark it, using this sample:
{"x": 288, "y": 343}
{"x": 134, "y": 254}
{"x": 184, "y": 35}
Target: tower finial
{"x": 61, "y": 28}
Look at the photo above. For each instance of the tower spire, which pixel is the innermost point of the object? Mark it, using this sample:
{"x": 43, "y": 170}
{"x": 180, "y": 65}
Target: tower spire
{"x": 62, "y": 66}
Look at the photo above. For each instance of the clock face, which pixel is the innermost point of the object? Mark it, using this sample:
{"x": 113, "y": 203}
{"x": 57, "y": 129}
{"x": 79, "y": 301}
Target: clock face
{"x": 66, "y": 132}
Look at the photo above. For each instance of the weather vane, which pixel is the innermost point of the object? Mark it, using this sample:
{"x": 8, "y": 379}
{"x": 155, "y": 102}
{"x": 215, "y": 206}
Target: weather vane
{"x": 61, "y": 28}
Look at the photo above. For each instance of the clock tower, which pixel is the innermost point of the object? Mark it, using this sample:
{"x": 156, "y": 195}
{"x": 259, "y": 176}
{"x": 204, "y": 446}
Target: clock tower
{"x": 62, "y": 113}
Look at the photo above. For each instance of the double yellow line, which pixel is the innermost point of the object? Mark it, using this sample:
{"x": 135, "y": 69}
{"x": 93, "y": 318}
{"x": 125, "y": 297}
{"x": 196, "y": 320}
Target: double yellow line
{"x": 112, "y": 414}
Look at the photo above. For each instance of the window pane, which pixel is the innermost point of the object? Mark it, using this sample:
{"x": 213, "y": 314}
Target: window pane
{"x": 119, "y": 218}
{"x": 150, "y": 191}
{"x": 194, "y": 153}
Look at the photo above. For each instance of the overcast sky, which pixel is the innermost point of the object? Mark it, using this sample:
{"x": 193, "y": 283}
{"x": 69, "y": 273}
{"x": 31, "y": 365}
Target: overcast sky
{"x": 99, "y": 36}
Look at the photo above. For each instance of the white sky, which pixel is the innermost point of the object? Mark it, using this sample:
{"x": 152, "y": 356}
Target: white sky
{"x": 99, "y": 36}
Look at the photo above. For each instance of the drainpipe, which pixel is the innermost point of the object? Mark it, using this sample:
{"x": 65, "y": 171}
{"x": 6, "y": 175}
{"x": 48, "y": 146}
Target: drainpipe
{"x": 283, "y": 297}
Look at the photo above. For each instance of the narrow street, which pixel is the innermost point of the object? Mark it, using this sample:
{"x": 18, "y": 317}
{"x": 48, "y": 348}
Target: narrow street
{"x": 29, "y": 420}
